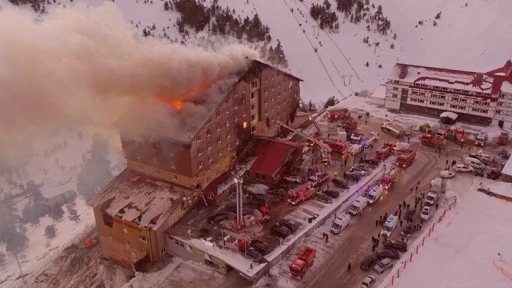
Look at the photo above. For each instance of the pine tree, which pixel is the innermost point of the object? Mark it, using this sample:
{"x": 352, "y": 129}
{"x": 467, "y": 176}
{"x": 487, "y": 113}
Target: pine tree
{"x": 330, "y": 102}
{"x": 50, "y": 231}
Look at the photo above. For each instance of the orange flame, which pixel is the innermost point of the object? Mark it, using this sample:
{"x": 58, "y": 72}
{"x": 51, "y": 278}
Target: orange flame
{"x": 177, "y": 103}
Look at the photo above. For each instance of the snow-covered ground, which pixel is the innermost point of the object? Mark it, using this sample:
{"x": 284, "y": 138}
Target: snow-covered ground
{"x": 55, "y": 165}
{"x": 461, "y": 250}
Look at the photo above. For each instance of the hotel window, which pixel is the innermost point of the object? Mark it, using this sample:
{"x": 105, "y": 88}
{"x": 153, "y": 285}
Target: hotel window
{"x": 143, "y": 238}
{"x": 253, "y": 117}
{"x": 253, "y": 94}
{"x": 127, "y": 242}
{"x": 125, "y": 231}
{"x": 199, "y": 151}
{"x": 200, "y": 164}
{"x": 208, "y": 133}
{"x": 253, "y": 106}
{"x": 394, "y": 95}
{"x": 395, "y": 88}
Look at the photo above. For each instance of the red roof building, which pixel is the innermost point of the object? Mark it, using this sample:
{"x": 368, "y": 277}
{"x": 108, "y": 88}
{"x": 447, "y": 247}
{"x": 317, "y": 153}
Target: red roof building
{"x": 273, "y": 159}
{"x": 476, "y": 97}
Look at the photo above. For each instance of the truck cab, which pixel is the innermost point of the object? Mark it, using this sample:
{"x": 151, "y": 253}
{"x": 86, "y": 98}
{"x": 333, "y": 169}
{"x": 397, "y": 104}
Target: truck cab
{"x": 358, "y": 205}
{"x": 481, "y": 139}
{"x": 431, "y": 198}
{"x": 375, "y": 194}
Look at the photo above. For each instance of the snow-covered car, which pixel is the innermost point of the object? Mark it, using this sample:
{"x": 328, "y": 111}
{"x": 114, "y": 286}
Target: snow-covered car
{"x": 401, "y": 146}
{"x": 425, "y": 213}
{"x": 447, "y": 174}
{"x": 323, "y": 198}
{"x": 368, "y": 281}
{"x": 295, "y": 179}
{"x": 383, "y": 265}
{"x": 462, "y": 168}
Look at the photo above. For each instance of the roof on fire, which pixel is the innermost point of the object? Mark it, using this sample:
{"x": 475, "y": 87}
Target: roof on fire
{"x": 192, "y": 119}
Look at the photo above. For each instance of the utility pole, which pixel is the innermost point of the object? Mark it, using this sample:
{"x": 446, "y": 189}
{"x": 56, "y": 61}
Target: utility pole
{"x": 239, "y": 202}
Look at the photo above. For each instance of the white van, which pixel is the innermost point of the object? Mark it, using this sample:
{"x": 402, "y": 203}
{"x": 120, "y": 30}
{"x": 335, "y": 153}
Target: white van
{"x": 431, "y": 198}
{"x": 340, "y": 223}
{"x": 389, "y": 226}
{"x": 473, "y": 162}
{"x": 358, "y": 205}
{"x": 375, "y": 193}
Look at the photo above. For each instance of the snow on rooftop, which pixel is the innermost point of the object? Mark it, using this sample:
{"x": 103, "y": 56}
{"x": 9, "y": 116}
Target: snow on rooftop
{"x": 507, "y": 169}
{"x": 461, "y": 250}
{"x": 136, "y": 198}
{"x": 506, "y": 87}
{"x": 501, "y": 188}
{"x": 462, "y": 80}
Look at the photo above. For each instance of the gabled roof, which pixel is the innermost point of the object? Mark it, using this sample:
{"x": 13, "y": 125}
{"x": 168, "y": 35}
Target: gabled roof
{"x": 271, "y": 155}
{"x": 139, "y": 199}
{"x": 493, "y": 82}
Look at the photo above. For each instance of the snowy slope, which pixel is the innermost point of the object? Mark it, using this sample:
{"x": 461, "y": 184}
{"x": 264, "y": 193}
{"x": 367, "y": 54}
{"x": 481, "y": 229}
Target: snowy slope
{"x": 465, "y": 244}
{"x": 472, "y": 37}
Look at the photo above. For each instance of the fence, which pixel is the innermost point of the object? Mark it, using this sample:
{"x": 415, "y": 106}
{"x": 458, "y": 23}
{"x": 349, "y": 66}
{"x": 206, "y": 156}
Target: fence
{"x": 398, "y": 270}
{"x": 502, "y": 270}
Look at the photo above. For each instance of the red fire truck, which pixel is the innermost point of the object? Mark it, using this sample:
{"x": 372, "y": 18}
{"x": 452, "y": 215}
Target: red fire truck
{"x": 405, "y": 159}
{"x": 429, "y": 140}
{"x": 388, "y": 179}
{"x": 301, "y": 193}
{"x": 460, "y": 135}
{"x": 384, "y": 151}
{"x": 336, "y": 146}
{"x": 339, "y": 114}
{"x": 303, "y": 262}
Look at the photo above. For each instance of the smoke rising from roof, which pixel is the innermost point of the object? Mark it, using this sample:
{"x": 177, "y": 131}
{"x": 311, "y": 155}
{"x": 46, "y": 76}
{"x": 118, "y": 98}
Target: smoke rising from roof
{"x": 87, "y": 66}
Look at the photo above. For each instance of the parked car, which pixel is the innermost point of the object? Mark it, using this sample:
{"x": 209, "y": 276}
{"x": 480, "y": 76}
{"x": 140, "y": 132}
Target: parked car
{"x": 387, "y": 253}
{"x": 425, "y": 213}
{"x": 484, "y": 158}
{"x": 290, "y": 224}
{"x": 294, "y": 179}
{"x": 372, "y": 161}
{"x": 353, "y": 176}
{"x": 254, "y": 255}
{"x": 320, "y": 196}
{"x": 260, "y": 246}
{"x": 359, "y": 167}
{"x": 340, "y": 183}
{"x": 445, "y": 174}
{"x": 396, "y": 245}
{"x": 493, "y": 174}
{"x": 368, "y": 262}
{"x": 407, "y": 230}
{"x": 331, "y": 193}
{"x": 368, "y": 281}
{"x": 280, "y": 231}
{"x": 217, "y": 218}
{"x": 409, "y": 214}
{"x": 383, "y": 265}
{"x": 462, "y": 168}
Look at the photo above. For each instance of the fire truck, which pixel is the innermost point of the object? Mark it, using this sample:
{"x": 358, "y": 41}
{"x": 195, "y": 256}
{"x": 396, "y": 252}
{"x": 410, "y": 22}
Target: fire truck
{"x": 370, "y": 140}
{"x": 350, "y": 125}
{"x": 303, "y": 262}
{"x": 406, "y": 159}
{"x": 384, "y": 151}
{"x": 460, "y": 135}
{"x": 503, "y": 138}
{"x": 336, "y": 146}
{"x": 388, "y": 179}
{"x": 340, "y": 114}
{"x": 429, "y": 140}
{"x": 301, "y": 193}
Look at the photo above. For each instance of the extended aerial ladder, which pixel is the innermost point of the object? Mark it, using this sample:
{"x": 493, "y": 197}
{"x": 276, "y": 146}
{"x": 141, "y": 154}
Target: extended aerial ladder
{"x": 320, "y": 144}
